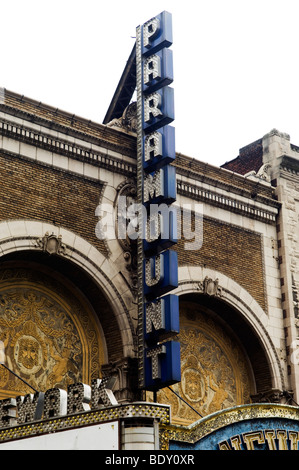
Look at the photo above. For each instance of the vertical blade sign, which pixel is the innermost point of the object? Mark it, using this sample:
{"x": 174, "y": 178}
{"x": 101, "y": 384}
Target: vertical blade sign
{"x": 158, "y": 320}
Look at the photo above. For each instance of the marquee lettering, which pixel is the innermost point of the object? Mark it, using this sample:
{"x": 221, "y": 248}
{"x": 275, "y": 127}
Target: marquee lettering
{"x": 152, "y": 69}
{"x": 268, "y": 439}
{"x": 30, "y": 407}
{"x": 152, "y": 146}
{"x": 56, "y": 402}
{"x": 161, "y": 228}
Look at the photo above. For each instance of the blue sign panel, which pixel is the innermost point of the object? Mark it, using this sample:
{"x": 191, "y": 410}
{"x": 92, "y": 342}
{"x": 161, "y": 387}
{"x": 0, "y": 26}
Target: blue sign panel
{"x": 162, "y": 365}
{"x": 158, "y": 110}
{"x": 156, "y": 144}
{"x": 160, "y": 274}
{"x": 159, "y": 148}
{"x": 158, "y": 71}
{"x": 258, "y": 434}
{"x": 255, "y": 426}
{"x": 161, "y": 318}
{"x": 157, "y": 34}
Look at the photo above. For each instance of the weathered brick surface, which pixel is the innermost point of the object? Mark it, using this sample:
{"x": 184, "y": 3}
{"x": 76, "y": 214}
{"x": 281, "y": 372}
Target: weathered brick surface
{"x": 231, "y": 250}
{"x": 250, "y": 159}
{"x": 208, "y": 173}
{"x": 75, "y": 125}
{"x": 30, "y": 190}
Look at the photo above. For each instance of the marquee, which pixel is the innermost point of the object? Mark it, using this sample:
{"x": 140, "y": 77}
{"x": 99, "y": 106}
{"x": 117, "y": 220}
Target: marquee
{"x": 265, "y": 426}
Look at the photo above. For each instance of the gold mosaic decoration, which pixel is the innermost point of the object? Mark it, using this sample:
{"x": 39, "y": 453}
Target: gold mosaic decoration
{"x": 49, "y": 335}
{"x": 121, "y": 412}
{"x": 215, "y": 373}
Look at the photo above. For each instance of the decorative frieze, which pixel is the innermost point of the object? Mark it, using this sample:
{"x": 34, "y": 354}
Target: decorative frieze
{"x": 65, "y": 147}
{"x": 266, "y": 213}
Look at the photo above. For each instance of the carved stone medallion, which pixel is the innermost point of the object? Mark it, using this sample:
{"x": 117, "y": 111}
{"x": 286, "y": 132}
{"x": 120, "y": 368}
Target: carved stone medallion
{"x": 51, "y": 244}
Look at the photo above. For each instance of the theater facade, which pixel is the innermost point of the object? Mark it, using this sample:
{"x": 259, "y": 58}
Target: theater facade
{"x": 69, "y": 284}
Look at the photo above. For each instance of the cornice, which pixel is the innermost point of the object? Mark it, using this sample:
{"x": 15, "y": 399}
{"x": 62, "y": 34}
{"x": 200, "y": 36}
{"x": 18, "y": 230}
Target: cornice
{"x": 79, "y": 128}
{"x": 247, "y": 188}
{"x": 266, "y": 212}
{"x": 63, "y": 147}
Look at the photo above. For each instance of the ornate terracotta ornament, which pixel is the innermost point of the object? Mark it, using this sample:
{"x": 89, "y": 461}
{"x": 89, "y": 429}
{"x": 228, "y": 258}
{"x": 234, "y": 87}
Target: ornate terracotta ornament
{"x": 52, "y": 244}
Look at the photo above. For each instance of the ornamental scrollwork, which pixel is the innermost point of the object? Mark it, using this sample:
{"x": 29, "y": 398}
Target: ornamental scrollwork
{"x": 127, "y": 191}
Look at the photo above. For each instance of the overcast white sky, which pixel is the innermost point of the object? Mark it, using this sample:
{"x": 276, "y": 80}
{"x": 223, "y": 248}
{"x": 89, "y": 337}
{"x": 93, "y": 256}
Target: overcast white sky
{"x": 235, "y": 63}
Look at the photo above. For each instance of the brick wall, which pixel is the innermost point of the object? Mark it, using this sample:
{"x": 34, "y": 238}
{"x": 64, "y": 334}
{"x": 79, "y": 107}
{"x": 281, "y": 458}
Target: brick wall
{"x": 30, "y": 190}
{"x": 213, "y": 175}
{"x": 235, "y": 252}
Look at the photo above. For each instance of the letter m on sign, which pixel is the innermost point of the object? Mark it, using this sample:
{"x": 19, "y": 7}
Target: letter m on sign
{"x": 153, "y": 185}
{"x": 160, "y": 185}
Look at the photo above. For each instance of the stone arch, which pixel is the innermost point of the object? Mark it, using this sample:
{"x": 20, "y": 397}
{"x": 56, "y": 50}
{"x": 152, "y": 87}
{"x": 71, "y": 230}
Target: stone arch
{"x": 227, "y": 356}
{"x": 18, "y": 236}
{"x": 219, "y": 288}
{"x": 51, "y": 335}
